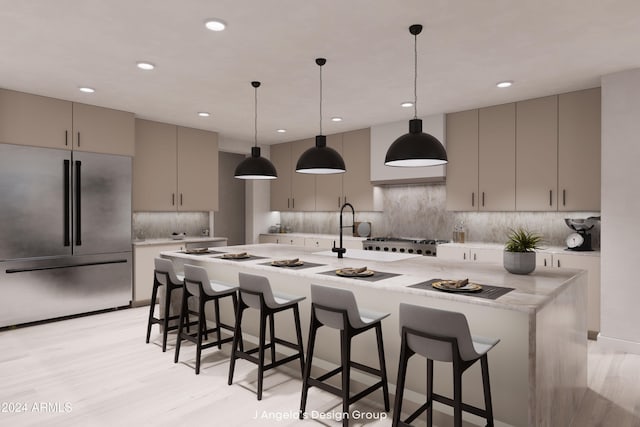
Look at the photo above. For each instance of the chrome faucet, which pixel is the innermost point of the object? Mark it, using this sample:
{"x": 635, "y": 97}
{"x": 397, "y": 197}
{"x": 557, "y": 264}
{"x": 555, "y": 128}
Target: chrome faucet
{"x": 341, "y": 250}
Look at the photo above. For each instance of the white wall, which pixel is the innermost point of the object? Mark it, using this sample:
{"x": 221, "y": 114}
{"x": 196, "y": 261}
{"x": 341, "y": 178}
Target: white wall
{"x": 620, "y": 227}
{"x": 258, "y": 216}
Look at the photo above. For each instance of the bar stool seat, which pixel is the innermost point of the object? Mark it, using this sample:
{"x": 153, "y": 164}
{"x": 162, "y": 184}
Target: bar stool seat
{"x": 337, "y": 309}
{"x": 255, "y": 292}
{"x": 165, "y": 276}
{"x": 444, "y": 336}
{"x": 202, "y": 290}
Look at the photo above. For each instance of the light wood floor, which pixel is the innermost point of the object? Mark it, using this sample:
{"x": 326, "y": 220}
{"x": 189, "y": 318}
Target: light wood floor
{"x": 97, "y": 371}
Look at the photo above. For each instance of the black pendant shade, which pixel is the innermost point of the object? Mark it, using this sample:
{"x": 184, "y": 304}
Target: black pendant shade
{"x": 320, "y": 159}
{"x": 416, "y": 148}
{"x": 256, "y": 166}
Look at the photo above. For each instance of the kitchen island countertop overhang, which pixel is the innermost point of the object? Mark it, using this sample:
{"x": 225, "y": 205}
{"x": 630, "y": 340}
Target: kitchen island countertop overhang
{"x": 538, "y": 371}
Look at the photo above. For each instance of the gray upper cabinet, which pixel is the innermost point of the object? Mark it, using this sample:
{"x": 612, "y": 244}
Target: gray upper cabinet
{"x": 462, "y": 169}
{"x": 64, "y": 124}
{"x": 497, "y": 158}
{"x": 294, "y": 191}
{"x": 280, "y": 156}
{"x": 175, "y": 168}
{"x": 537, "y": 154}
{"x": 34, "y": 120}
{"x": 579, "y": 150}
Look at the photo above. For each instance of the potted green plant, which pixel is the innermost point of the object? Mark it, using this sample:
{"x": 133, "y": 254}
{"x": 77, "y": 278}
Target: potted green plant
{"x": 519, "y": 251}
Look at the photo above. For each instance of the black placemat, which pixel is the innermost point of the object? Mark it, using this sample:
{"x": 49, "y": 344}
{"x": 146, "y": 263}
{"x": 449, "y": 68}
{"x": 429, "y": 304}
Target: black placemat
{"x": 379, "y": 275}
{"x": 487, "y": 292}
{"x": 294, "y": 267}
{"x": 249, "y": 258}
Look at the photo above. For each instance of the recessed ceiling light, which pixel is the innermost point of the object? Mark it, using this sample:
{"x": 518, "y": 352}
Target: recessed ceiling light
{"x": 87, "y": 89}
{"x": 336, "y": 119}
{"x": 281, "y": 130}
{"x": 204, "y": 114}
{"x": 504, "y": 84}
{"x": 406, "y": 104}
{"x": 215, "y": 24}
{"x": 145, "y": 65}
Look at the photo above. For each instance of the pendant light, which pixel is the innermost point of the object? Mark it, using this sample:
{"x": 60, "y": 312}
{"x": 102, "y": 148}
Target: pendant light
{"x": 255, "y": 166}
{"x": 320, "y": 160}
{"x": 416, "y": 148}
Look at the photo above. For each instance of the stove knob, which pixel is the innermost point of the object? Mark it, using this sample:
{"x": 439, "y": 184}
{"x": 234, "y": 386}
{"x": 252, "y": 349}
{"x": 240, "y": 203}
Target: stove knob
{"x": 386, "y": 249}
{"x": 419, "y": 251}
{"x": 377, "y": 248}
{"x": 393, "y": 249}
{"x": 402, "y": 250}
{"x": 410, "y": 251}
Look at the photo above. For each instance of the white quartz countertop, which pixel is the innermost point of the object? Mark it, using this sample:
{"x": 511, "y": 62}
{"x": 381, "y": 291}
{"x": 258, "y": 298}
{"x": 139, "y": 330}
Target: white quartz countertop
{"x": 500, "y": 246}
{"x": 530, "y": 294}
{"x": 346, "y": 236}
{"x": 168, "y": 241}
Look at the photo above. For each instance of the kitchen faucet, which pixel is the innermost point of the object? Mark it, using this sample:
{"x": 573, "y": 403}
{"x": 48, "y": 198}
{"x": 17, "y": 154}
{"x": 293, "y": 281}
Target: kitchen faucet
{"x": 341, "y": 250}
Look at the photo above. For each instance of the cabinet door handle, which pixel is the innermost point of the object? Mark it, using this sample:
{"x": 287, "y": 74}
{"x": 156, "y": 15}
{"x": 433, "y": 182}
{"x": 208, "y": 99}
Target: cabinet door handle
{"x": 473, "y": 198}
{"x": 464, "y": 256}
{"x": 288, "y": 203}
{"x": 564, "y": 197}
{"x": 180, "y": 199}
{"x": 293, "y": 203}
{"x": 345, "y": 199}
{"x": 558, "y": 263}
{"x": 545, "y": 262}
{"x": 66, "y": 138}
{"x": 338, "y": 202}
{"x": 78, "y": 139}
{"x": 550, "y": 197}
{"x": 474, "y": 256}
{"x": 483, "y": 199}
{"x": 173, "y": 199}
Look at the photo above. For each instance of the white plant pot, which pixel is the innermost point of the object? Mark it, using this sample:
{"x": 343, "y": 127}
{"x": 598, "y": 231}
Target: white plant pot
{"x": 519, "y": 262}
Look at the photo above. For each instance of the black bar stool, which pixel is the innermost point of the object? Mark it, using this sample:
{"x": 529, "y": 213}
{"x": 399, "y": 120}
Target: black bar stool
{"x": 163, "y": 275}
{"x": 444, "y": 336}
{"x": 198, "y": 286}
{"x": 337, "y": 309}
{"x": 255, "y": 292}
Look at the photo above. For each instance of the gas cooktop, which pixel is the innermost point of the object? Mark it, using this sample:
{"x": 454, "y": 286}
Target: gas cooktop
{"x": 403, "y": 245}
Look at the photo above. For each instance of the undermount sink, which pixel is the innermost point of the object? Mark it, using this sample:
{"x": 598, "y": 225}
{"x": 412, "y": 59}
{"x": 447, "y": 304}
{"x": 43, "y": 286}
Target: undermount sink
{"x": 370, "y": 255}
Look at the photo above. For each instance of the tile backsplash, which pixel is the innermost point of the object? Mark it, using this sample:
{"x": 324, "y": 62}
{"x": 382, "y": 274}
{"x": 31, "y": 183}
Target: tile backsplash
{"x": 420, "y": 211}
{"x": 154, "y": 225}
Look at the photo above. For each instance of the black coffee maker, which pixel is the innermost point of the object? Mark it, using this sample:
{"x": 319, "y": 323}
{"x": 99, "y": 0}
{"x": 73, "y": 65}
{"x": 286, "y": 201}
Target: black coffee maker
{"x": 581, "y": 239}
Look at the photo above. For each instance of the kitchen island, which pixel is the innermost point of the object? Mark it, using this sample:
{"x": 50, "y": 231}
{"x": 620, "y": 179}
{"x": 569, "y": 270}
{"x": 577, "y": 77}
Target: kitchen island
{"x": 538, "y": 370}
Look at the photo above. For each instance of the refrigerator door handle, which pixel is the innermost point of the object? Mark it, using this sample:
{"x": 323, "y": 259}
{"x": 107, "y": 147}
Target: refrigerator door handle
{"x": 67, "y": 200}
{"x": 57, "y": 267}
{"x": 78, "y": 204}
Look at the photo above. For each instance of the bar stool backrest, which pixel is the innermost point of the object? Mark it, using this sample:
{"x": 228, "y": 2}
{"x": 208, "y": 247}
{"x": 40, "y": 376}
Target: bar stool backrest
{"x": 441, "y": 323}
{"x": 336, "y": 298}
{"x": 163, "y": 265}
{"x": 260, "y": 284}
{"x": 194, "y": 275}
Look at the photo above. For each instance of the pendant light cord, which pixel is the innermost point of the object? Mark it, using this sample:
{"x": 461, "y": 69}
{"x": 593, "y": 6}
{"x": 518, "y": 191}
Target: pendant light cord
{"x": 415, "y": 77}
{"x": 321, "y": 100}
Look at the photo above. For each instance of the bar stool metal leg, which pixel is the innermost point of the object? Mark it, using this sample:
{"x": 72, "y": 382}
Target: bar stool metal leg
{"x": 313, "y": 328}
{"x": 430, "y": 392}
{"x": 261, "y": 344}
{"x": 345, "y": 359}
{"x": 383, "y": 367}
{"x": 152, "y": 305}
{"x": 484, "y": 363}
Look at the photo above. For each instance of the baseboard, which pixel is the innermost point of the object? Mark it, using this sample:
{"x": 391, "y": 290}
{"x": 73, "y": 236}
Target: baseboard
{"x": 618, "y": 344}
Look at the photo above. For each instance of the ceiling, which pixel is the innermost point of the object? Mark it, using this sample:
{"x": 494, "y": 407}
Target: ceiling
{"x": 545, "y": 46}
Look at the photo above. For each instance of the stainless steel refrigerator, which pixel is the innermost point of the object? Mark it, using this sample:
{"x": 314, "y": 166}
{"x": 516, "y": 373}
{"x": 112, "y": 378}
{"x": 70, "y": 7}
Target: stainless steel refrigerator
{"x": 65, "y": 233}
